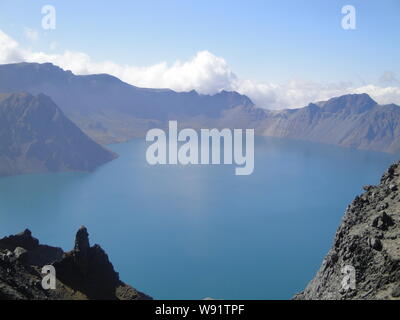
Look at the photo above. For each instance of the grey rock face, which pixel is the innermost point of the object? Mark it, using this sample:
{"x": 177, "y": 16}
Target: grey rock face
{"x": 19, "y": 252}
{"x": 368, "y": 239}
{"x": 354, "y": 121}
{"x": 35, "y": 136}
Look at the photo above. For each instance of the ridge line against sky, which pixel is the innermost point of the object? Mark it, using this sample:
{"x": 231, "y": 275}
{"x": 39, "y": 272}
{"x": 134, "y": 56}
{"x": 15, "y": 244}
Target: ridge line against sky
{"x": 281, "y": 54}
{"x": 205, "y": 73}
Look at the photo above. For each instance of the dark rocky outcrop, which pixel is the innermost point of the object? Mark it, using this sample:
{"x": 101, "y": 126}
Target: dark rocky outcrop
{"x": 83, "y": 273}
{"x": 368, "y": 239}
{"x": 88, "y": 270}
{"x": 35, "y": 136}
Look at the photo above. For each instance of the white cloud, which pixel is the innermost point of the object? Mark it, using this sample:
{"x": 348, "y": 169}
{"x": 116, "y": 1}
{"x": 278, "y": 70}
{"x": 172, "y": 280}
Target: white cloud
{"x": 205, "y": 73}
{"x": 384, "y": 95}
{"x": 9, "y": 49}
{"x": 31, "y": 34}
{"x": 291, "y": 94}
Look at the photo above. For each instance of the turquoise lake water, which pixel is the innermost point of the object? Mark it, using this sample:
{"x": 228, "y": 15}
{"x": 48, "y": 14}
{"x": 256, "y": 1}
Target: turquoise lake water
{"x": 192, "y": 232}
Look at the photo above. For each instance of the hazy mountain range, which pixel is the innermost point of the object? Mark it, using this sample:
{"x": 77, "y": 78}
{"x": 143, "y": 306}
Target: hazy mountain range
{"x": 36, "y": 135}
{"x": 110, "y": 110}
{"x": 354, "y": 121}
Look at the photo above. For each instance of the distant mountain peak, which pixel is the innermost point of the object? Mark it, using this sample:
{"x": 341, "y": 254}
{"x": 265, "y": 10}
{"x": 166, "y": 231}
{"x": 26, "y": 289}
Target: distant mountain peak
{"x": 36, "y": 136}
{"x": 355, "y": 97}
{"x": 46, "y": 66}
{"x": 354, "y": 103}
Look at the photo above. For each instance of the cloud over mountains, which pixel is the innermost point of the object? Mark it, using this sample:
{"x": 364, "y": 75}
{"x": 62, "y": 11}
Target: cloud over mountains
{"x": 205, "y": 73}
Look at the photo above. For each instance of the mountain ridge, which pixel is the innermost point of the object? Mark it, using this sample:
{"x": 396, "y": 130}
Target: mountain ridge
{"x": 108, "y": 109}
{"x": 353, "y": 120}
{"x": 111, "y": 111}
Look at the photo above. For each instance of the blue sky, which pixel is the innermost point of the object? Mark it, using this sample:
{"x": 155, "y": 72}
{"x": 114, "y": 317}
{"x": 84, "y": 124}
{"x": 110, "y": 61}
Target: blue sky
{"x": 272, "y": 41}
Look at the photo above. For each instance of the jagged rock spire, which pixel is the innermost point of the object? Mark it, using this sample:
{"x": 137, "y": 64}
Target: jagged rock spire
{"x": 82, "y": 240}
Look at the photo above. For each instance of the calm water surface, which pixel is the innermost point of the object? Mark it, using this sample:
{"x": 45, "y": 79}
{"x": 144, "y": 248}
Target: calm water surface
{"x": 192, "y": 232}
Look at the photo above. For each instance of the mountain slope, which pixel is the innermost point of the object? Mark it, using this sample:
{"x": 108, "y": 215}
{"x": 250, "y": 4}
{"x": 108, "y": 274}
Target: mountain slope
{"x": 368, "y": 239}
{"x": 35, "y": 136}
{"x": 110, "y": 110}
{"x": 353, "y": 120}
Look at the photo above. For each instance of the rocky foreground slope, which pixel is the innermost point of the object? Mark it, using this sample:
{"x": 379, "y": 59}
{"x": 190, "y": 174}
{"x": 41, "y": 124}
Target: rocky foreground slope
{"x": 368, "y": 239}
{"x": 83, "y": 273}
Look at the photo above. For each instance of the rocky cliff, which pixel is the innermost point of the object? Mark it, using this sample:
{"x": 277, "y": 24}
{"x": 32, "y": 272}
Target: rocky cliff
{"x": 35, "y": 136}
{"x": 83, "y": 273}
{"x": 367, "y": 240}
{"x": 353, "y": 120}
